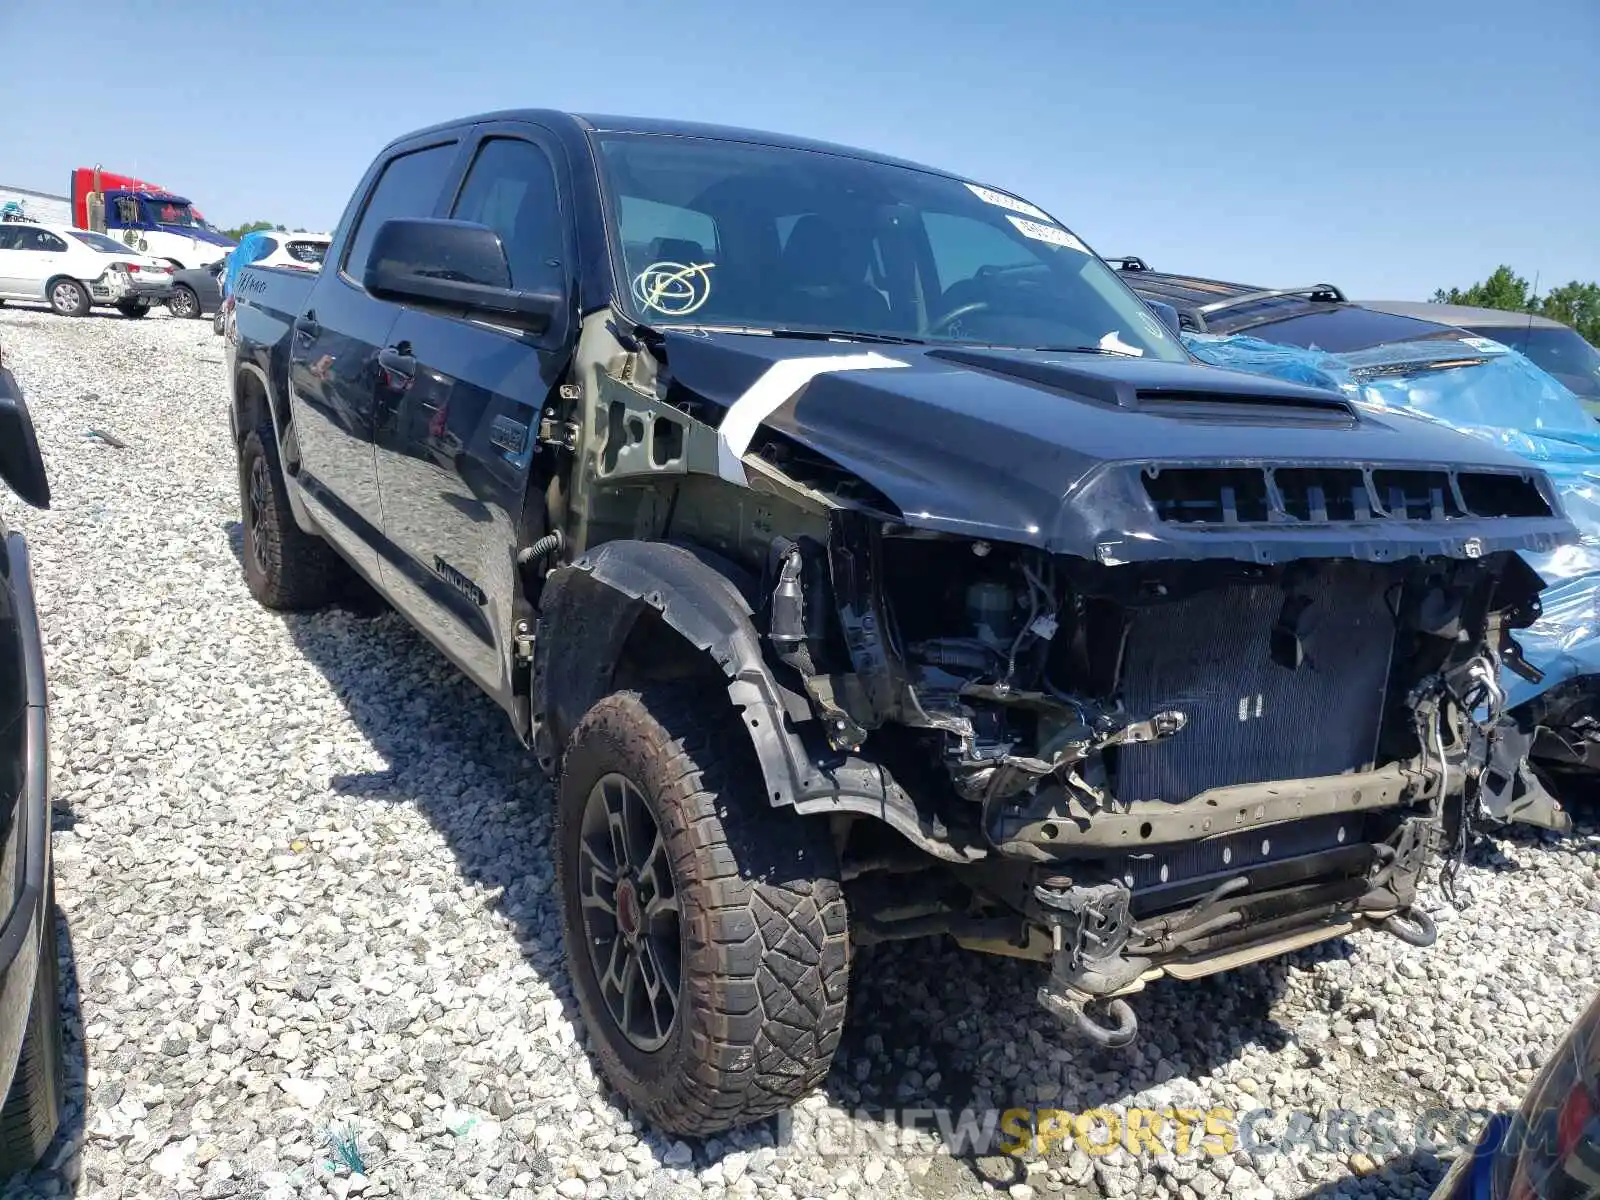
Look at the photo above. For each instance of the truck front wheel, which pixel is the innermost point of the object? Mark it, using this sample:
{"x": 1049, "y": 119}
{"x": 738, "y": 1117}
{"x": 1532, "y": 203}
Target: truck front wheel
{"x": 706, "y": 932}
{"x": 284, "y": 566}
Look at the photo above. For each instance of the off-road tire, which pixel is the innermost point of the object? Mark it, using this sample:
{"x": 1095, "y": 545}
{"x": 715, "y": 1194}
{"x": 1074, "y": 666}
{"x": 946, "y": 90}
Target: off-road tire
{"x": 765, "y": 941}
{"x": 32, "y": 1109}
{"x": 68, "y": 298}
{"x": 133, "y": 309}
{"x": 295, "y": 570}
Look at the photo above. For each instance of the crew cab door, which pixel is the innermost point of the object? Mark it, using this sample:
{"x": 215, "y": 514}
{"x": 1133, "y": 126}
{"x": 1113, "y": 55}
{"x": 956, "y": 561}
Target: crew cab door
{"x": 334, "y": 346}
{"x": 38, "y": 255}
{"x": 10, "y": 260}
{"x": 457, "y": 442}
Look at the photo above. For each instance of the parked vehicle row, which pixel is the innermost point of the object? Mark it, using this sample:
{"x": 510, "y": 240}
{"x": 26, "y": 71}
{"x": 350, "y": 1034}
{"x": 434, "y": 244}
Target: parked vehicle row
{"x": 865, "y": 560}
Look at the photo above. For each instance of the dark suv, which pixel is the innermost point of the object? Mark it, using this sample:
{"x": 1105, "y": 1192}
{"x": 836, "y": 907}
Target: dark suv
{"x": 30, "y": 1016}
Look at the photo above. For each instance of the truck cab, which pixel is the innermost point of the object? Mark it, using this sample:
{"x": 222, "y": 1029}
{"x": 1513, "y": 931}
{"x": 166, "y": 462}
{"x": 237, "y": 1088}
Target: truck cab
{"x": 146, "y": 218}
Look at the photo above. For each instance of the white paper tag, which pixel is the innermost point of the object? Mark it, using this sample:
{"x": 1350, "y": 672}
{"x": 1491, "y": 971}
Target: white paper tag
{"x": 1485, "y": 345}
{"x": 990, "y": 196}
{"x": 1053, "y": 234}
{"x": 1113, "y": 341}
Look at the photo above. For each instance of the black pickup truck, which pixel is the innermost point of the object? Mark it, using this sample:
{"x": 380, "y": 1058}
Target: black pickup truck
{"x": 865, "y": 561}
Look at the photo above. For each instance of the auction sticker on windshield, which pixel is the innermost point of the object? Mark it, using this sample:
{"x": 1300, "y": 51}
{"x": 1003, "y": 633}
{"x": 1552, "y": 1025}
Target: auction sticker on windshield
{"x": 990, "y": 196}
{"x": 1053, "y": 234}
{"x": 1485, "y": 345}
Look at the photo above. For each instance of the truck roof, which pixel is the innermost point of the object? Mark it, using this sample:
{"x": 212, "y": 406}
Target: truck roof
{"x": 603, "y": 123}
{"x": 1463, "y": 314}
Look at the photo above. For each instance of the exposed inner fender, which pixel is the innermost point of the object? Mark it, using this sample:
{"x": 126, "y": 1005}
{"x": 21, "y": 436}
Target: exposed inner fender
{"x": 586, "y": 613}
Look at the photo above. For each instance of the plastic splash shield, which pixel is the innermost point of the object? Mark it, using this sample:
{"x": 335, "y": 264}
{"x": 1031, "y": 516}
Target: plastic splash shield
{"x": 1485, "y": 389}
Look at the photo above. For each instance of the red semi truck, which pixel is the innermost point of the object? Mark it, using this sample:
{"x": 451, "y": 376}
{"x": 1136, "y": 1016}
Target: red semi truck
{"x": 145, "y": 216}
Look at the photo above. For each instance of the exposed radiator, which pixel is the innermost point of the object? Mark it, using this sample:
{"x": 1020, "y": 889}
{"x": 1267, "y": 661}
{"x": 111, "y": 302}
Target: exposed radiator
{"x": 1250, "y": 719}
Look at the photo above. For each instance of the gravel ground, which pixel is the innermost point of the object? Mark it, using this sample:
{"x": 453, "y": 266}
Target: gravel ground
{"x": 307, "y": 921}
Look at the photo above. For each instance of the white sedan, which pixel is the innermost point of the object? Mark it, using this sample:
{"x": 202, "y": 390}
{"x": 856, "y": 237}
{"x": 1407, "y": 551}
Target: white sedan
{"x": 73, "y": 269}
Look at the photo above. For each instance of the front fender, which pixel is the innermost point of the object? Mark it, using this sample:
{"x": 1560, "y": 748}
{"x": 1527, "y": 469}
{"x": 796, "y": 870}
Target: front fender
{"x": 587, "y": 611}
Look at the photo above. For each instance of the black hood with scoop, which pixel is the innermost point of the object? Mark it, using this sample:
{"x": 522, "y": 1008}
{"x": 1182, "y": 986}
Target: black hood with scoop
{"x": 1119, "y": 459}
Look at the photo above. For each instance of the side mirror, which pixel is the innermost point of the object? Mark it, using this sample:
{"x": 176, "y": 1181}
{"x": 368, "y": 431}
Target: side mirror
{"x": 1168, "y": 316}
{"x": 21, "y": 464}
{"x": 453, "y": 264}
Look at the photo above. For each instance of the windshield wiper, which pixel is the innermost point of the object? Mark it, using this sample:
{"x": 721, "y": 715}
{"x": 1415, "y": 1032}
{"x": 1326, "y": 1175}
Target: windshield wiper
{"x": 851, "y": 335}
{"x": 815, "y": 335}
{"x": 1084, "y": 350}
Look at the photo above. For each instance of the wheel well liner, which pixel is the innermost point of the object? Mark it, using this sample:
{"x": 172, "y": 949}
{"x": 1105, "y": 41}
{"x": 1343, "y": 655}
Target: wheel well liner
{"x": 252, "y": 400}
{"x": 588, "y": 612}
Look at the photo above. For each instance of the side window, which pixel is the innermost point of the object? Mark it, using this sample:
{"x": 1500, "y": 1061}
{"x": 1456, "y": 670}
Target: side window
{"x": 409, "y": 187}
{"x": 10, "y": 238}
{"x": 961, "y": 245}
{"x": 39, "y": 239}
{"x": 127, "y": 211}
{"x": 511, "y": 188}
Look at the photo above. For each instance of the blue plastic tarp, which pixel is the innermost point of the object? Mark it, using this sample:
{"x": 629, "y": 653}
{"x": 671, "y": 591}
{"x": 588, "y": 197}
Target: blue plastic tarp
{"x": 251, "y": 248}
{"x": 1504, "y": 399}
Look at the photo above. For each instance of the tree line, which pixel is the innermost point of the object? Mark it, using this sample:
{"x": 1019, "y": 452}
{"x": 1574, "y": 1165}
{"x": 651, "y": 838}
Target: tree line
{"x": 239, "y": 231}
{"x": 1575, "y": 304}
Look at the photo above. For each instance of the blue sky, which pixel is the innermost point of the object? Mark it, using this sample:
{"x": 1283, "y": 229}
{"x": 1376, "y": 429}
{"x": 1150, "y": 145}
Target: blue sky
{"x": 1388, "y": 147}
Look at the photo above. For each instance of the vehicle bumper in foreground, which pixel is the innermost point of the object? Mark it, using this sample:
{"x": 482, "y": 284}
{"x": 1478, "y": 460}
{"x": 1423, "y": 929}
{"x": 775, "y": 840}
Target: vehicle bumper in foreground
{"x": 27, "y": 930}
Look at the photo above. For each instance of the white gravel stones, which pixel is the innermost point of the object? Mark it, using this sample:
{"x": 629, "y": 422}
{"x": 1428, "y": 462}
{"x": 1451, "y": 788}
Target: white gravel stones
{"x": 303, "y": 870}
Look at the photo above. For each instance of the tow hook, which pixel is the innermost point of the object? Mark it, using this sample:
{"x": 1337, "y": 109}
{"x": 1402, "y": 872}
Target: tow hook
{"x": 1091, "y": 926}
{"x": 1412, "y": 926}
{"x": 1076, "y": 1014}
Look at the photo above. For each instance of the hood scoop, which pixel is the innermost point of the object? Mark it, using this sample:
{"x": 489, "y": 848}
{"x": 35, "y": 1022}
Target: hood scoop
{"x": 1237, "y": 397}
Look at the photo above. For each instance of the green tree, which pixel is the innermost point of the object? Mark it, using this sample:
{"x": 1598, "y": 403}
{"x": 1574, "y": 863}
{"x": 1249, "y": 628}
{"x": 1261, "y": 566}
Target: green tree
{"x": 252, "y": 227}
{"x": 1575, "y": 304}
{"x": 1503, "y": 289}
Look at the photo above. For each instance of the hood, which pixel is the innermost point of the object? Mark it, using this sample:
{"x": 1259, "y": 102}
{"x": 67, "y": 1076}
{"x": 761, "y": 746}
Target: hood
{"x": 1117, "y": 458}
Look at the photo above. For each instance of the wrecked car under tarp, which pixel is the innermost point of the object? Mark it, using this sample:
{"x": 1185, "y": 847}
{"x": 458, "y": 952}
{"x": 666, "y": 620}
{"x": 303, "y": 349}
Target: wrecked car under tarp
{"x": 1485, "y": 389}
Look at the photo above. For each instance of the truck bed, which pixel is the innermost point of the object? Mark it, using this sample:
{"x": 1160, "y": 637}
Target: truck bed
{"x": 266, "y": 302}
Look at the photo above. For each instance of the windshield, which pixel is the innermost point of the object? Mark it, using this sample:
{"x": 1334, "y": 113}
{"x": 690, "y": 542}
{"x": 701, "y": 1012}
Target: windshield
{"x": 1562, "y": 352}
{"x": 1339, "y": 329}
{"x": 734, "y": 234}
{"x": 101, "y": 242}
{"x": 168, "y": 212}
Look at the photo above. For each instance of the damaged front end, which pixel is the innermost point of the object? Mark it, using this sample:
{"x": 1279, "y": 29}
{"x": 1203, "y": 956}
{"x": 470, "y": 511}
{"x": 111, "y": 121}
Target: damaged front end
{"x": 1158, "y": 767}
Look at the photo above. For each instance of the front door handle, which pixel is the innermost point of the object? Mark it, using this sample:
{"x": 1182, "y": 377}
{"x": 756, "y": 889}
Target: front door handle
{"x": 397, "y": 363}
{"x": 306, "y": 326}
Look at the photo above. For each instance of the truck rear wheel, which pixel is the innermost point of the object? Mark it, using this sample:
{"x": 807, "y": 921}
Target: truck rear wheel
{"x": 284, "y": 566}
{"x": 706, "y": 932}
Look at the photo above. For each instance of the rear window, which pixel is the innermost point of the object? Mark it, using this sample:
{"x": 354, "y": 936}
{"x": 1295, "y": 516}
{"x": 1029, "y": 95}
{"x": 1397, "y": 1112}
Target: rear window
{"x": 307, "y": 252}
{"x": 1338, "y": 330}
{"x": 99, "y": 241}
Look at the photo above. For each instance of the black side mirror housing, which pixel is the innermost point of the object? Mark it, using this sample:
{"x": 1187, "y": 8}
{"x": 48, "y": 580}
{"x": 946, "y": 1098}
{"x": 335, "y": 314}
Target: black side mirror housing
{"x": 1168, "y": 316}
{"x": 21, "y": 464}
{"x": 452, "y": 264}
